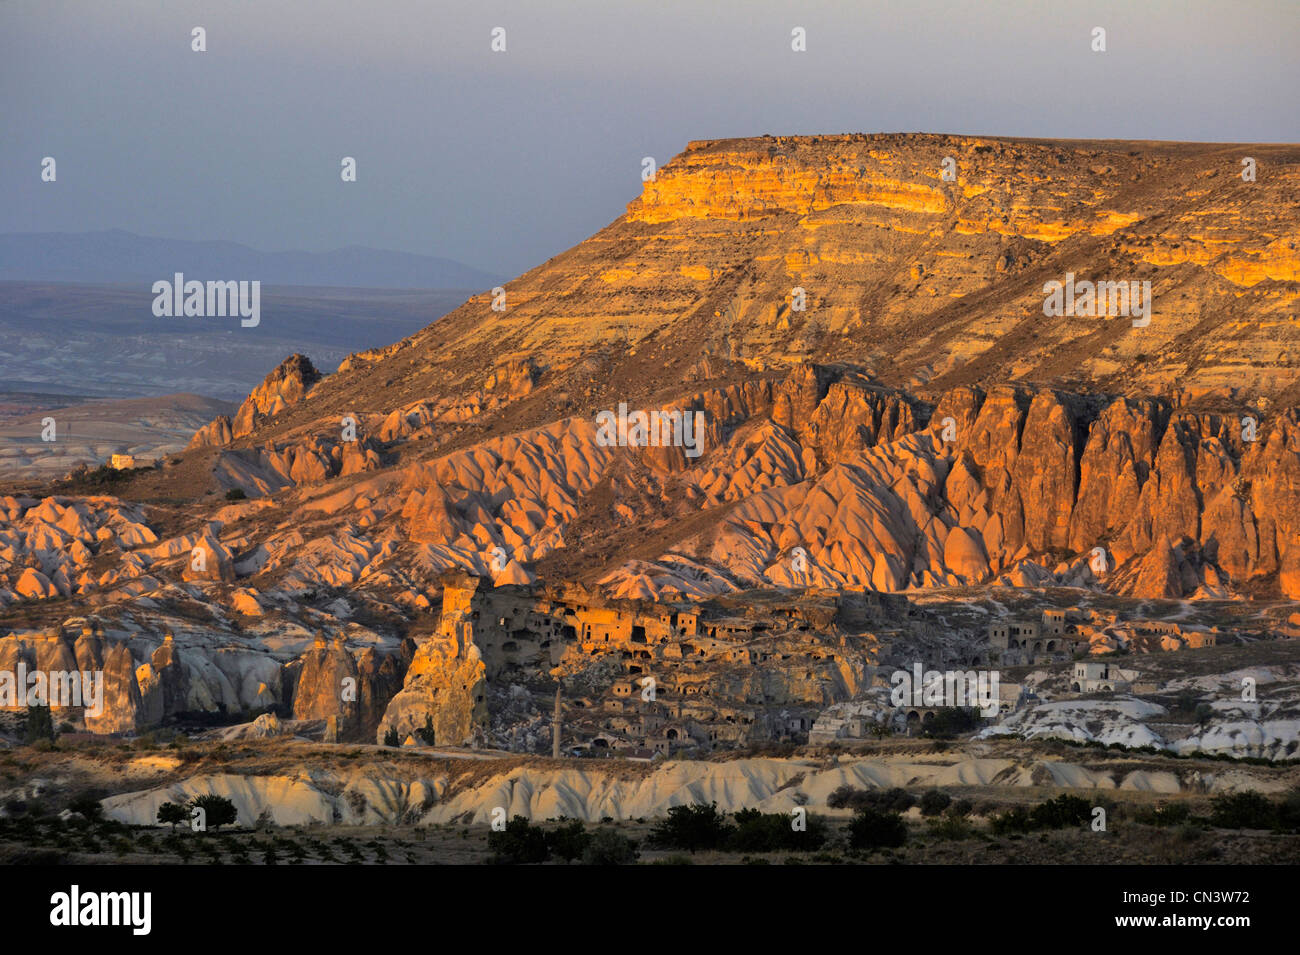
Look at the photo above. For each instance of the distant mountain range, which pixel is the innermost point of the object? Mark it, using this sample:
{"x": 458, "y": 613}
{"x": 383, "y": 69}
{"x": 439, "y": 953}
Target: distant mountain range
{"x": 116, "y": 256}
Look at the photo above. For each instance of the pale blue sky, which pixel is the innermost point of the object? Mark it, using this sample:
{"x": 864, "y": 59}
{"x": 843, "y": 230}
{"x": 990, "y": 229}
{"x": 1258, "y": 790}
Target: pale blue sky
{"x": 503, "y": 160}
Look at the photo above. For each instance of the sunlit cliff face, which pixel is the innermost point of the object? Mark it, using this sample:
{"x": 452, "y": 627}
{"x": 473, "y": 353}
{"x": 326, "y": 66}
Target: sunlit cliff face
{"x": 926, "y": 279}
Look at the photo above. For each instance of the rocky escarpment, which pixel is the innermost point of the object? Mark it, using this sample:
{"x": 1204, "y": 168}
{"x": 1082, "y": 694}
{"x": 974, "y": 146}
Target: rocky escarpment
{"x": 122, "y": 701}
{"x": 921, "y": 297}
{"x": 923, "y": 281}
{"x": 1016, "y": 483}
{"x": 882, "y": 490}
{"x": 352, "y": 689}
{"x": 287, "y": 385}
{"x": 878, "y": 488}
{"x": 147, "y": 680}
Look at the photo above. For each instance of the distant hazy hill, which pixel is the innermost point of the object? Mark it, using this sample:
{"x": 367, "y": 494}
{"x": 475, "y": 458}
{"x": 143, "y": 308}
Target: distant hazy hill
{"x": 117, "y": 256}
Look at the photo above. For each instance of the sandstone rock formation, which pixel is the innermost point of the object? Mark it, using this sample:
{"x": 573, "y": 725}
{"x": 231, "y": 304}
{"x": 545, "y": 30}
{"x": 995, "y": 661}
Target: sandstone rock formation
{"x": 350, "y": 691}
{"x": 287, "y": 385}
{"x": 445, "y": 688}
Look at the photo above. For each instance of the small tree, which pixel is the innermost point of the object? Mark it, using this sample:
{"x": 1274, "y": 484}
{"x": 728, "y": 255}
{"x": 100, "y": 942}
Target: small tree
{"x": 172, "y": 813}
{"x": 692, "y": 828}
{"x": 88, "y": 806}
{"x": 520, "y": 843}
{"x": 608, "y": 847}
{"x": 873, "y": 829}
{"x": 391, "y": 738}
{"x": 427, "y": 735}
{"x": 1243, "y": 810}
{"x": 568, "y": 841}
{"x": 218, "y": 811}
{"x": 934, "y": 801}
{"x": 40, "y": 724}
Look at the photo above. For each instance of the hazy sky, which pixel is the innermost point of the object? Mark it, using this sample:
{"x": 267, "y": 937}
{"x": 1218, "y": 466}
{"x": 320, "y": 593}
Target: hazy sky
{"x": 502, "y": 160}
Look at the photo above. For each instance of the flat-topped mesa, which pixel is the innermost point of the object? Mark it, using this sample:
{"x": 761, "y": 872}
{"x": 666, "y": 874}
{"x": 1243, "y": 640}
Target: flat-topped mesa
{"x": 938, "y": 249}
{"x": 925, "y": 260}
{"x": 1007, "y": 186}
{"x": 749, "y": 179}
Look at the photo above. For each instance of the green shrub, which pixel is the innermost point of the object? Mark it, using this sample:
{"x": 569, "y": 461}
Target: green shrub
{"x": 1243, "y": 810}
{"x": 519, "y": 843}
{"x": 1062, "y": 812}
{"x": 1016, "y": 819}
{"x": 890, "y": 800}
{"x": 873, "y": 829}
{"x": 609, "y": 847}
{"x": 773, "y": 832}
{"x": 568, "y": 841}
{"x": 839, "y": 798}
{"x": 934, "y": 801}
{"x": 951, "y": 827}
{"x": 895, "y": 800}
{"x": 692, "y": 828}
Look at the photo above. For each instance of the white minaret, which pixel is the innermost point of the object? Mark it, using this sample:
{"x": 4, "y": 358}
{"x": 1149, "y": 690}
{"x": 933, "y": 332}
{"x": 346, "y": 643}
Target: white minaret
{"x": 555, "y": 726}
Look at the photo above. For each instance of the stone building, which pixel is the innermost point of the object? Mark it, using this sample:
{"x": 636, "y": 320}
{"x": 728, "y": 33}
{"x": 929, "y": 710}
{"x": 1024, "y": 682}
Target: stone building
{"x": 727, "y": 670}
{"x": 1095, "y": 676}
{"x": 1023, "y": 642}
